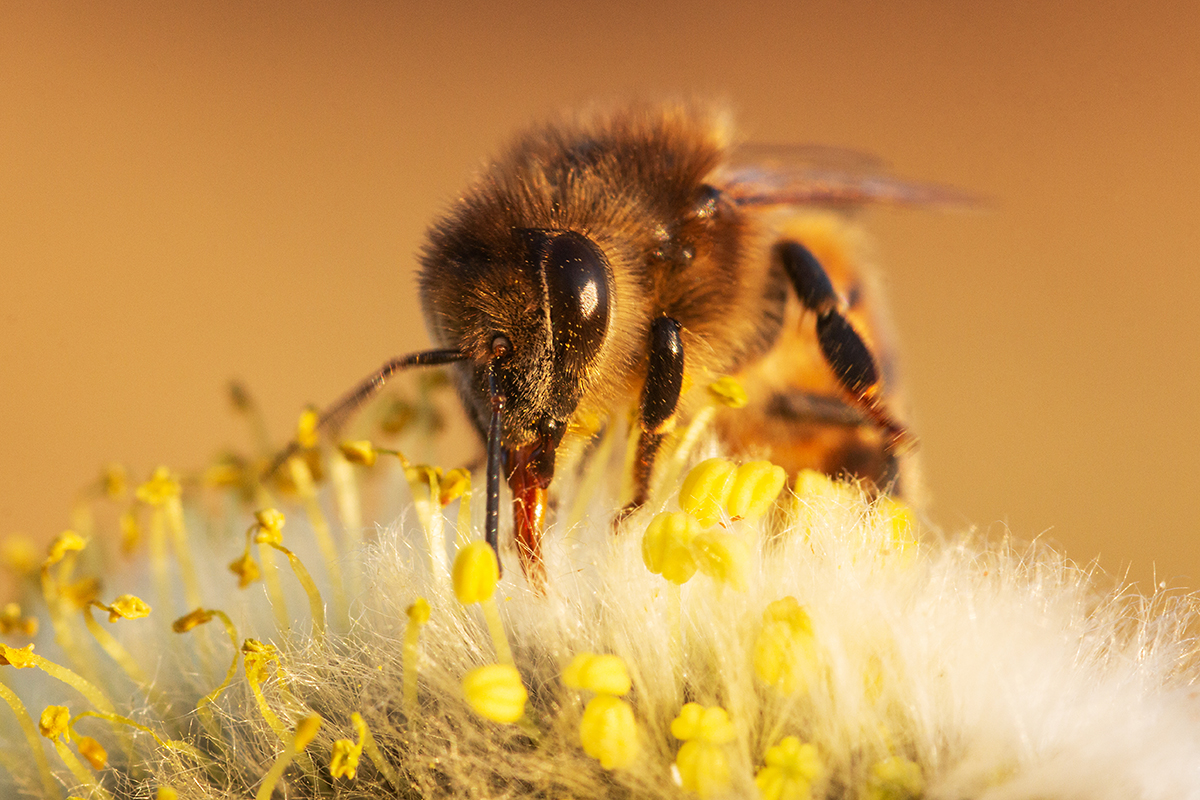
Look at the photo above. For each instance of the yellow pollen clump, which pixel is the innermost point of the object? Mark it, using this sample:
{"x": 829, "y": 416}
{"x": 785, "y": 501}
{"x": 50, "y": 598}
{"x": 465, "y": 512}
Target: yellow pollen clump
{"x": 418, "y": 612}
{"x": 476, "y": 573}
{"x": 306, "y": 428}
{"x": 343, "y": 763}
{"x": 18, "y": 657}
{"x": 790, "y": 772}
{"x": 246, "y": 568}
{"x": 723, "y": 557}
{"x": 755, "y": 487}
{"x": 93, "y": 751}
{"x": 785, "y": 651}
{"x": 728, "y": 392}
{"x": 159, "y": 489}
{"x": 127, "y": 606}
{"x": 191, "y": 619}
{"x": 11, "y": 621}
{"x": 270, "y": 519}
{"x": 703, "y": 723}
{"x": 54, "y": 722}
{"x": 603, "y": 674}
{"x": 608, "y": 732}
{"x": 454, "y": 484}
{"x": 705, "y": 490}
{"x": 359, "y": 452}
{"x": 65, "y": 542}
{"x": 895, "y": 778}
{"x": 667, "y": 546}
{"x": 495, "y": 692}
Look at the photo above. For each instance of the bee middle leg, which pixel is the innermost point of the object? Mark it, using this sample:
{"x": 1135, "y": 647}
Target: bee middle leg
{"x": 844, "y": 350}
{"x": 660, "y": 398}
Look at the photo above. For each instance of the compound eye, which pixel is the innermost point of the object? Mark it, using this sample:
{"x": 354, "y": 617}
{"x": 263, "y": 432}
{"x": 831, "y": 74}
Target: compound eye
{"x": 577, "y": 292}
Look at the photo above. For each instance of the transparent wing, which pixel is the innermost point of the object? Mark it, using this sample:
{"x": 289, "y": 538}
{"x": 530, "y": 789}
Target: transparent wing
{"x": 774, "y": 174}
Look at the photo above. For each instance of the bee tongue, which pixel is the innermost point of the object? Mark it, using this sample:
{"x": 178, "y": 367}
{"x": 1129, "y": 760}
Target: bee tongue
{"x": 530, "y": 469}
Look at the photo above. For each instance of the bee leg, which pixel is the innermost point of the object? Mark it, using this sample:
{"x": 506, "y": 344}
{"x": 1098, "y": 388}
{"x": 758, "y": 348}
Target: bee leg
{"x": 844, "y": 350}
{"x": 660, "y": 396}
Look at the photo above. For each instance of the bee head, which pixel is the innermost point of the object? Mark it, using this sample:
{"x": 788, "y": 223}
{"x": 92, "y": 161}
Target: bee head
{"x": 547, "y": 294}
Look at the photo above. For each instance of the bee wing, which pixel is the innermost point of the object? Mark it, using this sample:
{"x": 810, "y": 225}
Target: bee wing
{"x": 780, "y": 175}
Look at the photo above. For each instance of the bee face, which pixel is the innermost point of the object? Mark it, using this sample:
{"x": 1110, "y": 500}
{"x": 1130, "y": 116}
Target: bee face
{"x": 548, "y": 294}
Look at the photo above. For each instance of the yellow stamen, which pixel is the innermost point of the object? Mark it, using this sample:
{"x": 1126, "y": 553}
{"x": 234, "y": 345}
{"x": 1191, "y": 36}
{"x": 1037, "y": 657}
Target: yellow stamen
{"x": 723, "y": 557}
{"x": 791, "y": 771}
{"x": 49, "y": 785}
{"x": 895, "y": 778}
{"x": 306, "y": 731}
{"x": 24, "y": 658}
{"x": 476, "y": 573}
{"x": 19, "y": 555}
{"x": 608, "y": 732}
{"x": 667, "y": 546}
{"x": 367, "y": 743}
{"x": 603, "y": 674}
{"x": 11, "y": 621}
{"x": 705, "y": 490}
{"x": 360, "y": 452}
{"x": 755, "y": 487}
{"x": 303, "y": 480}
{"x": 201, "y": 616}
{"x": 495, "y": 692}
{"x": 785, "y": 650}
{"x": 418, "y": 615}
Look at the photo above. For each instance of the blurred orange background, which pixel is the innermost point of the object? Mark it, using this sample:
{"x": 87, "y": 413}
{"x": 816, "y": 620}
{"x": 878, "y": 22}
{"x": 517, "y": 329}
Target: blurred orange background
{"x": 191, "y": 192}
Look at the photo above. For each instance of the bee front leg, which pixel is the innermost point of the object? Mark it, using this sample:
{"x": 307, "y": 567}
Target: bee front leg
{"x": 844, "y": 350}
{"x": 660, "y": 398}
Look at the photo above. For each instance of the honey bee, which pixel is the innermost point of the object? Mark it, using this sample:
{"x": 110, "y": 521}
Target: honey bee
{"x": 624, "y": 254}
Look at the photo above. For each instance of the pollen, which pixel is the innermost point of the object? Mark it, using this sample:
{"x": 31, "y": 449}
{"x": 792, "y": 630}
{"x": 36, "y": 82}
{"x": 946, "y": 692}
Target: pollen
{"x": 127, "y": 606}
{"x": 609, "y": 732}
{"x": 728, "y": 392}
{"x": 476, "y": 573}
{"x": 161, "y": 487}
{"x": 667, "y": 546}
{"x": 785, "y": 650}
{"x": 246, "y": 568}
{"x": 359, "y": 452}
{"x": 93, "y": 751}
{"x": 306, "y": 428}
{"x": 343, "y": 762}
{"x": 54, "y": 722}
{"x": 755, "y": 487}
{"x": 603, "y": 674}
{"x": 791, "y": 771}
{"x": 705, "y": 490}
{"x": 495, "y": 692}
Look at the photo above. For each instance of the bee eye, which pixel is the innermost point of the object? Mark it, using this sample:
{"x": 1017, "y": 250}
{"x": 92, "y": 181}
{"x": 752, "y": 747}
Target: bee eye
{"x": 577, "y": 293}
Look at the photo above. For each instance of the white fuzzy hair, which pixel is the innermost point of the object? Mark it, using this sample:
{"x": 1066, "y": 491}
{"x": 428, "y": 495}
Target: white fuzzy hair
{"x": 1001, "y": 671}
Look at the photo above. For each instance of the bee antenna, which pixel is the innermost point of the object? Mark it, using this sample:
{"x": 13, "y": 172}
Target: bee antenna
{"x": 500, "y": 349}
{"x": 333, "y": 417}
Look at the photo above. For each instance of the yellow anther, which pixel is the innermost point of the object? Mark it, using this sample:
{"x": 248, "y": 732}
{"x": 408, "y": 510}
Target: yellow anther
{"x": 166, "y": 793}
{"x": 54, "y": 722}
{"x": 703, "y": 723}
{"x": 895, "y": 778}
{"x": 343, "y": 763}
{"x": 127, "y": 606}
{"x": 608, "y": 732}
{"x": 418, "y": 612}
{"x": 11, "y": 621}
{"x": 359, "y": 452}
{"x": 901, "y": 521}
{"x": 703, "y": 768}
{"x": 270, "y": 519}
{"x": 246, "y": 568}
{"x": 723, "y": 557}
{"x": 306, "y": 428}
{"x": 114, "y": 481}
{"x": 755, "y": 487}
{"x": 224, "y": 474}
{"x": 603, "y": 674}
{"x": 728, "y": 392}
{"x": 495, "y": 692}
{"x": 159, "y": 489}
{"x": 705, "y": 490}
{"x": 131, "y": 531}
{"x": 306, "y": 731}
{"x": 17, "y": 657}
{"x": 788, "y": 610}
{"x": 453, "y": 485}
{"x": 476, "y": 573}
{"x": 200, "y": 616}
{"x": 19, "y": 554}
{"x": 790, "y": 772}
{"x": 65, "y": 542}
{"x": 785, "y": 651}
{"x": 93, "y": 751}
{"x": 667, "y": 546}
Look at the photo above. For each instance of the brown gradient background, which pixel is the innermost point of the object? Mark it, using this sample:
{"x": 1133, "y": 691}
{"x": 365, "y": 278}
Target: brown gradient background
{"x": 196, "y": 191}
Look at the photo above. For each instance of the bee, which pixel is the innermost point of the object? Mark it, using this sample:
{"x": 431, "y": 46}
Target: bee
{"x": 621, "y": 255}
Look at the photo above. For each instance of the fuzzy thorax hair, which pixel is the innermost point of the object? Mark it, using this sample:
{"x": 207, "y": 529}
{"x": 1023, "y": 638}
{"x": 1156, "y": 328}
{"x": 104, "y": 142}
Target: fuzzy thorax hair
{"x": 721, "y": 644}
